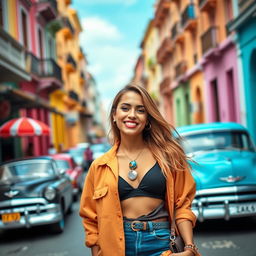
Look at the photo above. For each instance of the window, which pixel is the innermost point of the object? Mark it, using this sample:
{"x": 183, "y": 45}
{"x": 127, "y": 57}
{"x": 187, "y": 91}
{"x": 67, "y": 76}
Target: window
{"x": 228, "y": 10}
{"x": 24, "y": 29}
{"x": 1, "y": 14}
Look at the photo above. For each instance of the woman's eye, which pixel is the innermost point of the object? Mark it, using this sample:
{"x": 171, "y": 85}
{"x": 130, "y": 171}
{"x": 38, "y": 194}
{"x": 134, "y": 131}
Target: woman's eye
{"x": 141, "y": 110}
{"x": 124, "y": 108}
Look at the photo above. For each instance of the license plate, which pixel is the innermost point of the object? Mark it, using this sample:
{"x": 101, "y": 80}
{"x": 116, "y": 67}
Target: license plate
{"x": 11, "y": 217}
{"x": 248, "y": 208}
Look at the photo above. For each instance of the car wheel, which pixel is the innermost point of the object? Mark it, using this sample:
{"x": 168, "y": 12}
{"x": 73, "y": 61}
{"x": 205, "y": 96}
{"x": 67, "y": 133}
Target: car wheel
{"x": 58, "y": 227}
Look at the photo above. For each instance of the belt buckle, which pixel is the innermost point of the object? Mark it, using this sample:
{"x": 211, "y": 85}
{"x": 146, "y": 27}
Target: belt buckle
{"x": 138, "y": 229}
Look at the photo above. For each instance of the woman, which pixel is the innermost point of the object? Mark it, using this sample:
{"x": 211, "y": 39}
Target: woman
{"x": 131, "y": 192}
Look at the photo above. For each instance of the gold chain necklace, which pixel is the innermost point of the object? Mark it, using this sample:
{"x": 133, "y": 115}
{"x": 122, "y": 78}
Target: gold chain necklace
{"x": 133, "y": 174}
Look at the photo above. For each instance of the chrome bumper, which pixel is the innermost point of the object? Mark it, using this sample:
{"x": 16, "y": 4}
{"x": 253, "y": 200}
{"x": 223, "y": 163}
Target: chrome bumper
{"x": 225, "y": 203}
{"x": 34, "y": 212}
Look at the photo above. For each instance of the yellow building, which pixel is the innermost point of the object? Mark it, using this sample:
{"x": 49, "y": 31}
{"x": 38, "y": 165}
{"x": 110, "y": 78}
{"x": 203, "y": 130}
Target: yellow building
{"x": 152, "y": 70}
{"x": 70, "y": 128}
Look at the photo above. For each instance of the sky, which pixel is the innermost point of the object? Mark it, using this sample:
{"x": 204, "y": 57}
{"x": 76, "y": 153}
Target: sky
{"x": 111, "y": 37}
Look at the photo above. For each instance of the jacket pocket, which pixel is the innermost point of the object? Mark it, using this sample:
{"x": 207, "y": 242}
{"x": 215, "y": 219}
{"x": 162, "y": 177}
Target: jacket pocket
{"x": 99, "y": 193}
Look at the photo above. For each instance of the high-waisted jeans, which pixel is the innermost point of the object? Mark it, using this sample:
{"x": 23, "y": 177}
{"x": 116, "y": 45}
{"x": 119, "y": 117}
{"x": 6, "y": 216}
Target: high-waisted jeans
{"x": 146, "y": 243}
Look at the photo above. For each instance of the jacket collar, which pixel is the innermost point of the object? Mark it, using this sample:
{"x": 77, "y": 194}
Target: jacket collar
{"x": 110, "y": 159}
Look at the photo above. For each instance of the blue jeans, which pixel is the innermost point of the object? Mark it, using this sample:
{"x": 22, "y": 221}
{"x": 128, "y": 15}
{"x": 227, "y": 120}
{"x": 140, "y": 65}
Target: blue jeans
{"x": 146, "y": 243}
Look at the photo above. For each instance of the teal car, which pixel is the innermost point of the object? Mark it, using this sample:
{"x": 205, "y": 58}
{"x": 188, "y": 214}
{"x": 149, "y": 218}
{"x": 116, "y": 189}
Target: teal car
{"x": 223, "y": 162}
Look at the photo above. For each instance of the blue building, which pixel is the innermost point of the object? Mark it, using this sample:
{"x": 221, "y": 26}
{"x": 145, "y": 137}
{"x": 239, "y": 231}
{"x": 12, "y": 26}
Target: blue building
{"x": 244, "y": 24}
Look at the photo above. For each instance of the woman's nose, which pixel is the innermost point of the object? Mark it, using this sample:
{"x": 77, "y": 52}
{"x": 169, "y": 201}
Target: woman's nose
{"x": 132, "y": 113}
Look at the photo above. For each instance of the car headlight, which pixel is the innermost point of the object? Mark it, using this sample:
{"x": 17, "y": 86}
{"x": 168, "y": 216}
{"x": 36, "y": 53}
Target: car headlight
{"x": 50, "y": 193}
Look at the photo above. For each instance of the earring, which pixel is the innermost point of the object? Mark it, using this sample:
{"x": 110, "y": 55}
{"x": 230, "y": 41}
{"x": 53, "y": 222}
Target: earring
{"x": 114, "y": 121}
{"x": 148, "y": 126}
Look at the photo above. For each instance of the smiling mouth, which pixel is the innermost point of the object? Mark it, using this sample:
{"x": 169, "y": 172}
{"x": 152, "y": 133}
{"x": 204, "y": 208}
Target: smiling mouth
{"x": 130, "y": 124}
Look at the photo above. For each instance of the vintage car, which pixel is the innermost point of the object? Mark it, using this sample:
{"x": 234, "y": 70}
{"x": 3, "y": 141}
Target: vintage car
{"x": 223, "y": 161}
{"x": 33, "y": 191}
{"x": 75, "y": 172}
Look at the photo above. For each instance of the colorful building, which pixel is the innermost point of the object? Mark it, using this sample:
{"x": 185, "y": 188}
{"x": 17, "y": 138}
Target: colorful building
{"x": 40, "y": 80}
{"x": 244, "y": 24}
{"x": 198, "y": 59}
{"x": 30, "y": 47}
{"x": 219, "y": 62}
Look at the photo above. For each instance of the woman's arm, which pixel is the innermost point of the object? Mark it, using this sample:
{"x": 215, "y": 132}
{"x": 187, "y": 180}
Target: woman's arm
{"x": 88, "y": 209}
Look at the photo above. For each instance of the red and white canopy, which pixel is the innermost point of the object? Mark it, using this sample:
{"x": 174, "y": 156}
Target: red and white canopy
{"x": 24, "y": 126}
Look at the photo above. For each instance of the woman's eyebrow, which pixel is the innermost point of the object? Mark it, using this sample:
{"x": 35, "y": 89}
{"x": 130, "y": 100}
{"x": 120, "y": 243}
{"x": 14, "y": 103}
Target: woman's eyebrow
{"x": 127, "y": 104}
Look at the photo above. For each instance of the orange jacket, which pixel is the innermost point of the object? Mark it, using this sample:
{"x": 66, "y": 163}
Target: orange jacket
{"x": 100, "y": 205}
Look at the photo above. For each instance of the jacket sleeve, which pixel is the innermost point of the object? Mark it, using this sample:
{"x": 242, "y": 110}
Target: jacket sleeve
{"x": 88, "y": 210}
{"x": 184, "y": 192}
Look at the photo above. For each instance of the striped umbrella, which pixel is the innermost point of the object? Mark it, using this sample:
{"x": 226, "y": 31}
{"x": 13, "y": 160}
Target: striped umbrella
{"x": 24, "y": 126}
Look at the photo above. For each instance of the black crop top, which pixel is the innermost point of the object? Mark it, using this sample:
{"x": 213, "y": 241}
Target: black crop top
{"x": 151, "y": 185}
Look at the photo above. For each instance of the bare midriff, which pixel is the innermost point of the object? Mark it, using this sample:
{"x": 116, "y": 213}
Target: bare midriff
{"x": 135, "y": 207}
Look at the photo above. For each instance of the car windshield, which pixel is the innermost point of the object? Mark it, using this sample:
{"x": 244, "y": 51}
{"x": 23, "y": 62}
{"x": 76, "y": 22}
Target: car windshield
{"x": 104, "y": 147}
{"x": 77, "y": 154}
{"x": 217, "y": 141}
{"x": 62, "y": 164}
{"x": 25, "y": 171}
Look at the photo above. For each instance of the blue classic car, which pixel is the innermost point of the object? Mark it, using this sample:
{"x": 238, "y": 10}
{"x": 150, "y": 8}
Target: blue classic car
{"x": 223, "y": 161}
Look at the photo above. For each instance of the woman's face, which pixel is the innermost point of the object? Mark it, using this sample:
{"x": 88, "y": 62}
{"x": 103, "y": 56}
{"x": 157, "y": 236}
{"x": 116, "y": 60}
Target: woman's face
{"x": 130, "y": 114}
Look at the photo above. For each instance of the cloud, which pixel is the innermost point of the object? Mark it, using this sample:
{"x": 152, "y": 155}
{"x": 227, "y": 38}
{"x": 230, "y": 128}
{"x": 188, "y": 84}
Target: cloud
{"x": 111, "y": 60}
{"x": 97, "y": 30}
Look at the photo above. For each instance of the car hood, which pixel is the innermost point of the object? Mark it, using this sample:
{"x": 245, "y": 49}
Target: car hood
{"x": 16, "y": 188}
{"x": 224, "y": 168}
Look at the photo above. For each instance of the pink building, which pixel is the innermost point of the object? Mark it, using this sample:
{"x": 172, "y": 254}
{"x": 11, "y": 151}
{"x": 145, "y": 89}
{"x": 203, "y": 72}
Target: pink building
{"x": 34, "y": 33}
{"x": 221, "y": 83}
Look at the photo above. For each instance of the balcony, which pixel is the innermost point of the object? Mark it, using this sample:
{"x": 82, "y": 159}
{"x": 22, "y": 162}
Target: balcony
{"x": 46, "y": 71}
{"x": 244, "y": 4}
{"x": 68, "y": 30}
{"x": 164, "y": 50}
{"x": 47, "y": 9}
{"x": 12, "y": 59}
{"x": 70, "y": 64}
{"x": 209, "y": 39}
{"x": 180, "y": 68}
{"x": 164, "y": 85}
{"x": 247, "y": 10}
{"x": 206, "y": 5}
{"x": 162, "y": 11}
{"x": 188, "y": 17}
{"x": 73, "y": 95}
{"x": 177, "y": 33}
{"x": 82, "y": 78}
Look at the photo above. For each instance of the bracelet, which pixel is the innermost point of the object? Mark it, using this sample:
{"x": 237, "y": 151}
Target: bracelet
{"x": 192, "y": 248}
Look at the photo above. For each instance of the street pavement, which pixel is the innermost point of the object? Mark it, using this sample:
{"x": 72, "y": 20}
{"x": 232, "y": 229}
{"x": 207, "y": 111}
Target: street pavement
{"x": 214, "y": 238}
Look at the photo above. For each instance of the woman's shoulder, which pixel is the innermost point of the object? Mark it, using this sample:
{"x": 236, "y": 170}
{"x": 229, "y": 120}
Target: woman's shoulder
{"x": 104, "y": 158}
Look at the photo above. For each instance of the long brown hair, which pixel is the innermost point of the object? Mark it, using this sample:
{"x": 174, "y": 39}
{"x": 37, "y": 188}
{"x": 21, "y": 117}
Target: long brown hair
{"x": 157, "y": 135}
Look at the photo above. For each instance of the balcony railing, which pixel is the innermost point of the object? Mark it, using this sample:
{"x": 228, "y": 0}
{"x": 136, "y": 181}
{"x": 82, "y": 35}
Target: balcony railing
{"x": 73, "y": 95}
{"x": 12, "y": 56}
{"x": 188, "y": 14}
{"x": 176, "y": 30}
{"x": 180, "y": 68}
{"x": 47, "y": 8}
{"x": 50, "y": 69}
{"x": 244, "y": 4}
{"x": 164, "y": 50}
{"x": 71, "y": 60}
{"x": 67, "y": 24}
{"x": 161, "y": 11}
{"x": 206, "y": 4}
{"x": 209, "y": 39}
{"x": 42, "y": 67}
{"x": 165, "y": 83}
